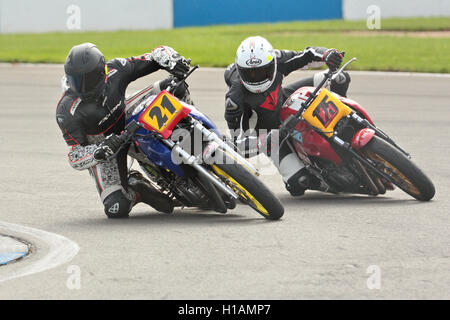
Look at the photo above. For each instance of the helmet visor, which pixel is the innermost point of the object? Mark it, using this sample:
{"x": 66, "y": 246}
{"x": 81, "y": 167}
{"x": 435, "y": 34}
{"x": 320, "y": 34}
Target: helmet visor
{"x": 88, "y": 82}
{"x": 75, "y": 82}
{"x": 257, "y": 75}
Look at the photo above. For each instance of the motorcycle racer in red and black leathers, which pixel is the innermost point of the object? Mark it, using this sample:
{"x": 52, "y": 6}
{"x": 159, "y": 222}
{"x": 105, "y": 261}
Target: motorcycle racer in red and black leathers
{"x": 91, "y": 115}
{"x": 255, "y": 96}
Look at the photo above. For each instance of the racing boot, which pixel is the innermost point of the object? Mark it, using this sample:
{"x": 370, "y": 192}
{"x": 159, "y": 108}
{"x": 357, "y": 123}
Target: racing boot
{"x": 146, "y": 193}
{"x": 301, "y": 181}
{"x": 293, "y": 171}
{"x": 297, "y": 184}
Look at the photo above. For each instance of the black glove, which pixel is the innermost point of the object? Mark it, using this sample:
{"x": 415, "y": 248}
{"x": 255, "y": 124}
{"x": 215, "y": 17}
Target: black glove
{"x": 108, "y": 147}
{"x": 332, "y": 58}
{"x": 181, "y": 68}
{"x": 171, "y": 61}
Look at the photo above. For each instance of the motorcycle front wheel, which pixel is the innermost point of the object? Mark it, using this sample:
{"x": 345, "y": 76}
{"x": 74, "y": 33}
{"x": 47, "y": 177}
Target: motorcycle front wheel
{"x": 250, "y": 190}
{"x": 403, "y": 172}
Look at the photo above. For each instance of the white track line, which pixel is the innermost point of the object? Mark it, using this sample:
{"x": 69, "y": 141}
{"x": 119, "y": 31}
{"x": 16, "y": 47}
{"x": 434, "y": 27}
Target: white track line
{"x": 61, "y": 250}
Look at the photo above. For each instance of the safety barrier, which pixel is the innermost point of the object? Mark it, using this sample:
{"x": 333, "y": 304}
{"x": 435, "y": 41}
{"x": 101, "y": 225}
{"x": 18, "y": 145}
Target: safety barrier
{"x": 103, "y": 15}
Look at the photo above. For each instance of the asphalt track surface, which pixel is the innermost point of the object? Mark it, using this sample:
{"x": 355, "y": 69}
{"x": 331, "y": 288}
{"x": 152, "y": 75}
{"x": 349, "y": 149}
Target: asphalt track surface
{"x": 326, "y": 246}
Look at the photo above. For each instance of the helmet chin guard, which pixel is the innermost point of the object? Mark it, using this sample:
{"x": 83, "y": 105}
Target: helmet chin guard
{"x": 262, "y": 87}
{"x": 256, "y": 63}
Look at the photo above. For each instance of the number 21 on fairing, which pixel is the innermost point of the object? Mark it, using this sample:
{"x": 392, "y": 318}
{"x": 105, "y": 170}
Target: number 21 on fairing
{"x": 163, "y": 114}
{"x": 157, "y": 111}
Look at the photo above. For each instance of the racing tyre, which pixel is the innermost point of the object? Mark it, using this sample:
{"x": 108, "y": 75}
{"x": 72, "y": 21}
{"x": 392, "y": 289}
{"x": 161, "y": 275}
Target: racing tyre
{"x": 403, "y": 172}
{"x": 250, "y": 189}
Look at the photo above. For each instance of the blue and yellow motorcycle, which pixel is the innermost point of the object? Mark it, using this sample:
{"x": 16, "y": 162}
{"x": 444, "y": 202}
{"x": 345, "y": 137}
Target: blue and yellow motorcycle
{"x": 186, "y": 157}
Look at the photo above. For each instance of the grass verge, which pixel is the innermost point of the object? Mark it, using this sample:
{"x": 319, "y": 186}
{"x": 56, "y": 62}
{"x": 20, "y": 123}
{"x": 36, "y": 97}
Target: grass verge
{"x": 215, "y": 46}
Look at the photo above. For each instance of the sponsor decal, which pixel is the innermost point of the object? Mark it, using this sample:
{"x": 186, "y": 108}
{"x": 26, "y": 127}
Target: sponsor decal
{"x": 297, "y": 136}
{"x": 109, "y": 114}
{"x": 75, "y": 106}
{"x": 231, "y": 105}
{"x": 114, "y": 209}
{"x": 271, "y": 101}
{"x": 252, "y": 62}
{"x": 112, "y": 72}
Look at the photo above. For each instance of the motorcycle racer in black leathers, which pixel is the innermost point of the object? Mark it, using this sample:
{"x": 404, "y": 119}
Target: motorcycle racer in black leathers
{"x": 255, "y": 96}
{"x": 91, "y": 115}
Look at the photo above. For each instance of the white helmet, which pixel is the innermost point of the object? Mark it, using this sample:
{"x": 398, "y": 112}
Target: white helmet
{"x": 256, "y": 63}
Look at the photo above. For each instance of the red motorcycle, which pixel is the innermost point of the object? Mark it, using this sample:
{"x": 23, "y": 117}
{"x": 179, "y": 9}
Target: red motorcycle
{"x": 340, "y": 145}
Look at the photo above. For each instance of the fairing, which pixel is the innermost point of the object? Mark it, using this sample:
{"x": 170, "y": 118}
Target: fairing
{"x": 313, "y": 143}
{"x": 156, "y": 151}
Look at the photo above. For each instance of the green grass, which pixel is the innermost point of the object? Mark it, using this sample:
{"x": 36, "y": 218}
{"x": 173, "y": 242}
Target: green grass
{"x": 216, "y": 45}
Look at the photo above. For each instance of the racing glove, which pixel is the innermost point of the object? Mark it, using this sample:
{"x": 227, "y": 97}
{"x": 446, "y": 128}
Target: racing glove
{"x": 332, "y": 58}
{"x": 171, "y": 61}
{"x": 107, "y": 148}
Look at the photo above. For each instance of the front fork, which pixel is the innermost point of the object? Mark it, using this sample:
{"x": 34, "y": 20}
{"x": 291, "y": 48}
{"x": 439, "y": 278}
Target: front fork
{"x": 347, "y": 146}
{"x": 194, "y": 162}
{"x": 219, "y": 143}
{"x": 215, "y": 142}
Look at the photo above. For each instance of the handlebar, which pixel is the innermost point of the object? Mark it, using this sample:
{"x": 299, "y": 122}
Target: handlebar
{"x": 175, "y": 84}
{"x": 342, "y": 68}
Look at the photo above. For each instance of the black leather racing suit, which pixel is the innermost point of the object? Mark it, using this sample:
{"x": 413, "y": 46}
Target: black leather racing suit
{"x": 85, "y": 124}
{"x": 259, "y": 112}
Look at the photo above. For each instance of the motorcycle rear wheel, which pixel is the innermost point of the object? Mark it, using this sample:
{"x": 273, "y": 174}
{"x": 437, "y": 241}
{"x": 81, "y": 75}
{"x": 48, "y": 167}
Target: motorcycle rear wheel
{"x": 403, "y": 172}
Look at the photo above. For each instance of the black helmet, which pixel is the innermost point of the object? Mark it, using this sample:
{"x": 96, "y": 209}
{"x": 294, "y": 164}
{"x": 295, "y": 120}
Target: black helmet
{"x": 85, "y": 70}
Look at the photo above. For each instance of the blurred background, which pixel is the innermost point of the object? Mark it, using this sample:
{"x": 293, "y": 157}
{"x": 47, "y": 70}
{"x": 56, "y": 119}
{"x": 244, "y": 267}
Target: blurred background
{"x": 400, "y": 35}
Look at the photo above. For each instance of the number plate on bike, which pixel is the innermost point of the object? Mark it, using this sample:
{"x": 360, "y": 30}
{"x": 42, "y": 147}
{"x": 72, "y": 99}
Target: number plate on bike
{"x": 325, "y": 112}
{"x": 163, "y": 114}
